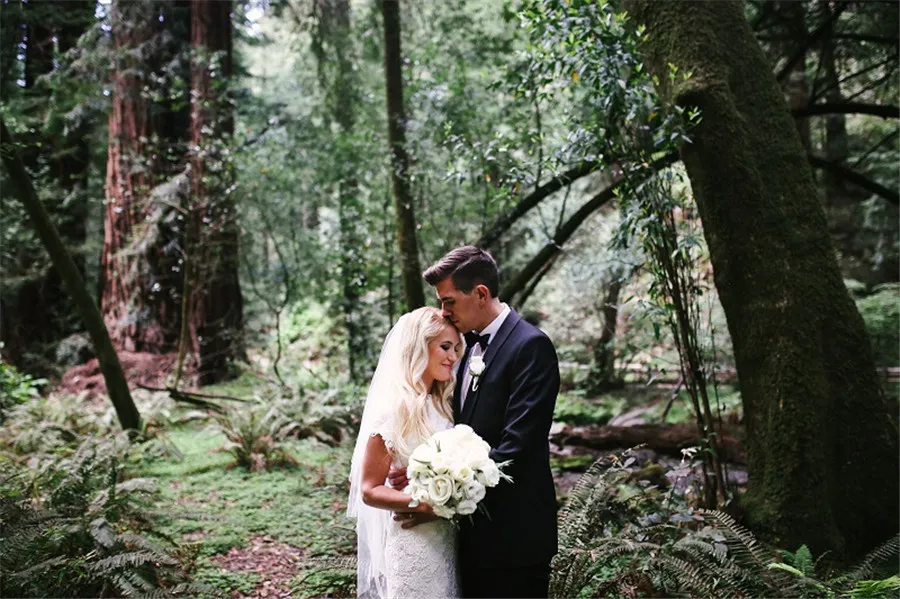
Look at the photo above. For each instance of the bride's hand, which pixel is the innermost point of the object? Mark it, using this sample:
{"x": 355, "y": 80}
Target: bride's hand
{"x": 397, "y": 478}
{"x": 423, "y": 513}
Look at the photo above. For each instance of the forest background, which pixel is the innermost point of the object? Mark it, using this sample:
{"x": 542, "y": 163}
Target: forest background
{"x": 213, "y": 212}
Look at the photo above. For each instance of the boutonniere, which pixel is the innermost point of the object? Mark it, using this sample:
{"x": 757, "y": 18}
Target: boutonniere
{"x": 476, "y": 369}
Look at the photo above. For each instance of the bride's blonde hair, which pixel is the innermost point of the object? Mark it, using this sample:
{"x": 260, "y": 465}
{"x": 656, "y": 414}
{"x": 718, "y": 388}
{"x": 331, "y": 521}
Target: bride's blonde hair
{"x": 412, "y": 406}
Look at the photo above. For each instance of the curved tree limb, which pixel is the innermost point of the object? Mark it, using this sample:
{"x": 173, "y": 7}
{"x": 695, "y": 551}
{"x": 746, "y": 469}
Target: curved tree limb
{"x": 504, "y": 222}
{"x": 888, "y": 111}
{"x": 810, "y": 41}
{"x": 116, "y": 384}
{"x": 565, "y": 232}
{"x": 853, "y": 177}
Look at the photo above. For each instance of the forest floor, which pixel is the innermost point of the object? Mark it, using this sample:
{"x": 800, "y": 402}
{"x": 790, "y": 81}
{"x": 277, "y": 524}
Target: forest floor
{"x": 264, "y": 534}
{"x": 283, "y": 533}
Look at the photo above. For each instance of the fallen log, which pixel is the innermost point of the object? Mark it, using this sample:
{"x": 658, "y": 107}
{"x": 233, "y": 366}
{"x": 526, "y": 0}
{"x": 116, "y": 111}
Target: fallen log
{"x": 668, "y": 439}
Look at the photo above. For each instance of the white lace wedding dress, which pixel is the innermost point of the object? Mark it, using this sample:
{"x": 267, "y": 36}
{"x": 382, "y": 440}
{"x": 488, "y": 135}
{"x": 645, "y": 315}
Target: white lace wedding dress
{"x": 421, "y": 561}
{"x": 392, "y": 562}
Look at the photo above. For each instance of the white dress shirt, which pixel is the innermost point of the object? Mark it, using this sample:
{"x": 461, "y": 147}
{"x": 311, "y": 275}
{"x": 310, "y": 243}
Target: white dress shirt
{"x": 491, "y": 330}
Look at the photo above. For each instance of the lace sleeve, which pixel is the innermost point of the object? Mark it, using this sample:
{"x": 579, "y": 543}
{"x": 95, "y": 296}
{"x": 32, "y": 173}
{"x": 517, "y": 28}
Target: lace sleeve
{"x": 384, "y": 426}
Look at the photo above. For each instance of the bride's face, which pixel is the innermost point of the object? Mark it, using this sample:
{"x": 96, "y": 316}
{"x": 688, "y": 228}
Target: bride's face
{"x": 443, "y": 353}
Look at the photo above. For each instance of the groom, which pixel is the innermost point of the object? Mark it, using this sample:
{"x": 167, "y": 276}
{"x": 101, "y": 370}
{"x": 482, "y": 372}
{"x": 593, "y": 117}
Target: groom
{"x": 509, "y": 402}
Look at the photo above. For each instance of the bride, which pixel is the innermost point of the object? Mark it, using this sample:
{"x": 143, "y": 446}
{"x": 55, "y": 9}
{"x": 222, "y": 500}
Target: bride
{"x": 409, "y": 399}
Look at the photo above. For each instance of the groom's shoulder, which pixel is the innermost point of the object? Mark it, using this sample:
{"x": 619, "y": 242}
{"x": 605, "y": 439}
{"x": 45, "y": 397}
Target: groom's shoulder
{"x": 528, "y": 331}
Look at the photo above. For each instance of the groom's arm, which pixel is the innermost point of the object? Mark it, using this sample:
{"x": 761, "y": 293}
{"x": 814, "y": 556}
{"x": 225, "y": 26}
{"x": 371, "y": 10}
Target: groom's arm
{"x": 532, "y": 398}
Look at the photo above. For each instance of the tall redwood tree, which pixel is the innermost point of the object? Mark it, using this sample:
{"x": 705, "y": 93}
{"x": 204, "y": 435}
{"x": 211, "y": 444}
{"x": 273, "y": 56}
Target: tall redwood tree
{"x": 141, "y": 257}
{"x": 214, "y": 309}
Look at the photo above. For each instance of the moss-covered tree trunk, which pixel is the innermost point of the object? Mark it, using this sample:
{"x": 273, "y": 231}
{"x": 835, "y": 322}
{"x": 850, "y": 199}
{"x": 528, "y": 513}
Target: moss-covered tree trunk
{"x": 822, "y": 440}
{"x": 116, "y": 384}
{"x": 411, "y": 272}
{"x": 215, "y": 308}
{"x": 334, "y": 47}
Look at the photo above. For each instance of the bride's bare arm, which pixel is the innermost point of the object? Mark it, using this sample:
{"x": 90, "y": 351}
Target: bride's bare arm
{"x": 375, "y": 493}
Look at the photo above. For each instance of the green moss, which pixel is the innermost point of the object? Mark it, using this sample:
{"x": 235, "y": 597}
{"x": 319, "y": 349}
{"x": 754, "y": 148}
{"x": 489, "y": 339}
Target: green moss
{"x": 216, "y": 508}
{"x": 576, "y": 463}
{"x": 572, "y": 408}
{"x": 230, "y": 583}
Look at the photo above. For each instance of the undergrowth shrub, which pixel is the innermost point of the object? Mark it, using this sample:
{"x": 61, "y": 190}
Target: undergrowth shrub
{"x": 76, "y": 526}
{"x": 16, "y": 388}
{"x": 881, "y": 313}
{"x": 616, "y": 539}
{"x": 256, "y": 435}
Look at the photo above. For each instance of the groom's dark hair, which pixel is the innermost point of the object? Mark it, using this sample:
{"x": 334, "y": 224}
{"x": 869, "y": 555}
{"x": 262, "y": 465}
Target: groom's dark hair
{"x": 467, "y": 266}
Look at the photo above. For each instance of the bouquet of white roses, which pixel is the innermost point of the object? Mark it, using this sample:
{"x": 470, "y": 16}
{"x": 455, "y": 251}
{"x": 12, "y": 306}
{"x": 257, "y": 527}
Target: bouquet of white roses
{"x": 451, "y": 471}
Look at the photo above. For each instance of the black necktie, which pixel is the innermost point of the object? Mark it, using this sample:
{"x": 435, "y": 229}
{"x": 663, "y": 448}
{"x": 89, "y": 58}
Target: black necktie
{"x": 473, "y": 338}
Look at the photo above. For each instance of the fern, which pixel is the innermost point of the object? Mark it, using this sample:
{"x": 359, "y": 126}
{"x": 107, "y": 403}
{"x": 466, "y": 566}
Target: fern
{"x": 60, "y": 529}
{"x": 889, "y": 587}
{"x": 888, "y": 550}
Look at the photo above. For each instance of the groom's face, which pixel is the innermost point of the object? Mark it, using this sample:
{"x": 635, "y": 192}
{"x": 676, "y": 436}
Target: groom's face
{"x": 462, "y": 309}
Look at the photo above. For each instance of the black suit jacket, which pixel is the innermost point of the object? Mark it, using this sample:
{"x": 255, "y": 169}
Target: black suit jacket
{"x": 512, "y": 410}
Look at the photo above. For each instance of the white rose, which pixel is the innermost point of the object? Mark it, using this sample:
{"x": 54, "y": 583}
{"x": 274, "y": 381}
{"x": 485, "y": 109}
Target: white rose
{"x": 459, "y": 490}
{"x": 475, "y": 491}
{"x": 465, "y": 507}
{"x": 476, "y": 365}
{"x": 464, "y": 429}
{"x": 440, "y": 489}
{"x": 491, "y": 474}
{"x": 462, "y": 473}
{"x": 424, "y": 453}
{"x": 441, "y": 463}
{"x": 443, "y": 512}
{"x": 415, "y": 468}
{"x": 420, "y": 493}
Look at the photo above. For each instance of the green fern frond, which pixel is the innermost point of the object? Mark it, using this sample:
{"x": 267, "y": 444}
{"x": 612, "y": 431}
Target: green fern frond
{"x": 872, "y": 589}
{"x": 881, "y": 554}
{"x": 741, "y": 542}
{"x": 131, "y": 559}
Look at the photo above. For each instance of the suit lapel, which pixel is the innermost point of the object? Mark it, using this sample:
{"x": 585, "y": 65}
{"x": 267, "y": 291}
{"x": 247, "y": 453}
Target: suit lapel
{"x": 493, "y": 349}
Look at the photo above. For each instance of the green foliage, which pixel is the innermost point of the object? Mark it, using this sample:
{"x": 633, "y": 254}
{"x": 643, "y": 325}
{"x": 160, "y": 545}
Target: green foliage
{"x": 573, "y": 409}
{"x": 616, "y": 539}
{"x": 329, "y": 577}
{"x": 16, "y": 388}
{"x": 71, "y": 528}
{"x": 881, "y": 313}
{"x": 255, "y": 436}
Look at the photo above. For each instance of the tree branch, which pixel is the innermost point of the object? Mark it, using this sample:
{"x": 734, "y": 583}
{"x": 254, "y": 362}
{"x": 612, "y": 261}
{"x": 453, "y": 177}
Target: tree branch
{"x": 554, "y": 246}
{"x": 504, "y": 222}
{"x": 856, "y": 178}
{"x": 810, "y": 41}
{"x": 887, "y": 111}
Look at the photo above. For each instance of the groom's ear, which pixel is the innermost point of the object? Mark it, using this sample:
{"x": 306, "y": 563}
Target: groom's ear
{"x": 482, "y": 292}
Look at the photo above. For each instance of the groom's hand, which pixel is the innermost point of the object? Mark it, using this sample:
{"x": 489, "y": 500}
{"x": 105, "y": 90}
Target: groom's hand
{"x": 411, "y": 520}
{"x": 397, "y": 478}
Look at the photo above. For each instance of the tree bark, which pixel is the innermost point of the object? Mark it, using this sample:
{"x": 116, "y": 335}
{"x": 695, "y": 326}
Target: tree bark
{"x": 603, "y": 369}
{"x": 140, "y": 262}
{"x": 822, "y": 440}
{"x": 334, "y": 50}
{"x": 116, "y": 384}
{"x": 410, "y": 270}
{"x": 667, "y": 439}
{"x": 215, "y": 306}
{"x": 796, "y": 90}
